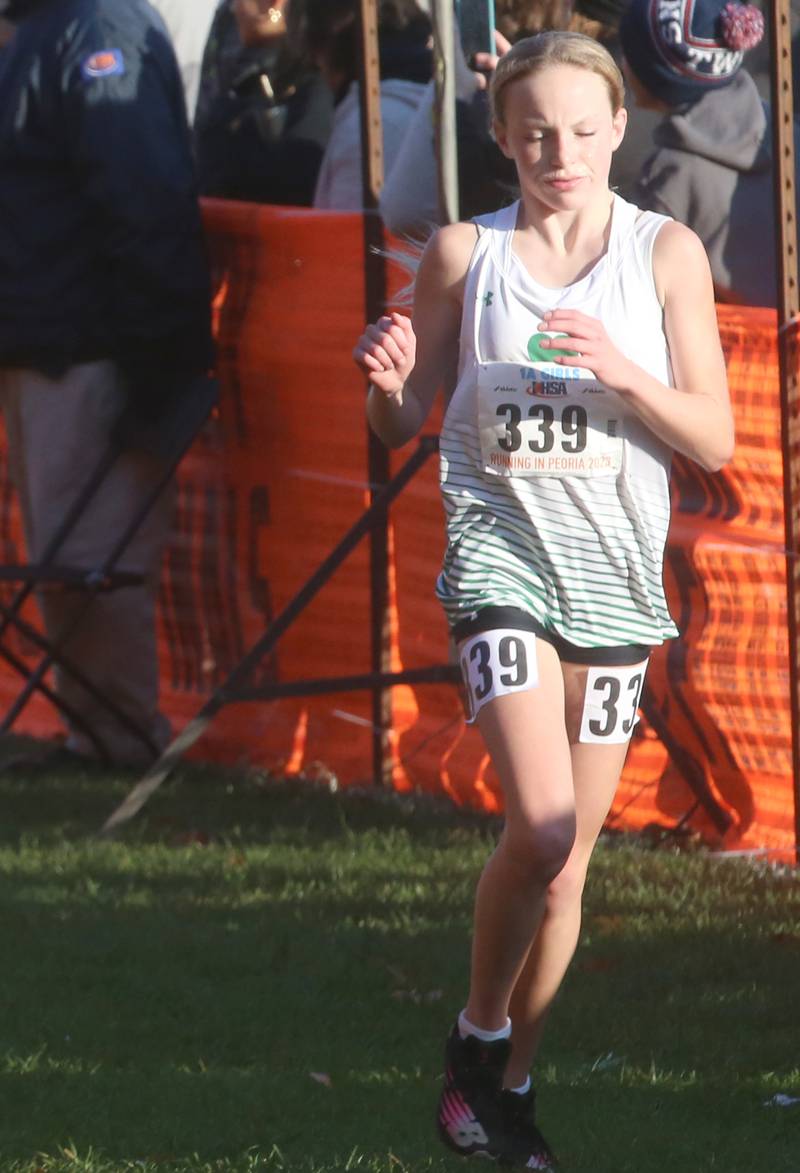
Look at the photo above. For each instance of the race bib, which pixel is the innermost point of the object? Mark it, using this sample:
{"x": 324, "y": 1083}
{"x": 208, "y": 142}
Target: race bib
{"x": 495, "y": 663}
{"x": 611, "y": 704}
{"x": 546, "y": 420}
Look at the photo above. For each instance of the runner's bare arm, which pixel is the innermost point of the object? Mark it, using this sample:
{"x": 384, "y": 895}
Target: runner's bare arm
{"x": 695, "y": 416}
{"x": 408, "y": 361}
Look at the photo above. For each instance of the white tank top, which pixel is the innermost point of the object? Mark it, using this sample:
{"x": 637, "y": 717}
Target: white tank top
{"x": 556, "y": 495}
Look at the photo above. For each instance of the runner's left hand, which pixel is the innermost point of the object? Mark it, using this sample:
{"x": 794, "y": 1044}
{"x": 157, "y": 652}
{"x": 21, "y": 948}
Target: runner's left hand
{"x": 587, "y": 336}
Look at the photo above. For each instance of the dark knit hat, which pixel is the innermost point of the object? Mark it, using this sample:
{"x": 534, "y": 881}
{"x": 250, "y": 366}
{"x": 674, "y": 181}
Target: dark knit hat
{"x": 680, "y": 49}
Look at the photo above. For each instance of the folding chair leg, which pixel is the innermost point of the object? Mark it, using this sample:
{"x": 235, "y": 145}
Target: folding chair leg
{"x": 230, "y": 690}
{"x": 35, "y": 682}
{"x": 182, "y": 430}
{"x": 62, "y": 532}
{"x": 62, "y": 706}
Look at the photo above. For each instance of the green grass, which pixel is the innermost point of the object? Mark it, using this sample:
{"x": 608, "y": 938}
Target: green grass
{"x": 259, "y": 976}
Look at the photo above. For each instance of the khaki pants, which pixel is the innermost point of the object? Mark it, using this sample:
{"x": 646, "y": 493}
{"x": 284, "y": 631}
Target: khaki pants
{"x": 57, "y": 430}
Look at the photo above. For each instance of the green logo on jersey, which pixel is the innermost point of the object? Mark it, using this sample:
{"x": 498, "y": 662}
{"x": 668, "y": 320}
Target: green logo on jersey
{"x": 539, "y": 353}
{"x": 487, "y": 299}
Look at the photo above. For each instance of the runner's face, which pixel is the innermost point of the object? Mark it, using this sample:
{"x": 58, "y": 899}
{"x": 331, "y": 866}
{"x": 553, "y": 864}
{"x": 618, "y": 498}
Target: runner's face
{"x": 560, "y": 131}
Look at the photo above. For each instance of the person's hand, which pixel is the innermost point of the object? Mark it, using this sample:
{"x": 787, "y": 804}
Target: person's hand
{"x": 590, "y": 345}
{"x": 386, "y": 352}
{"x": 484, "y": 64}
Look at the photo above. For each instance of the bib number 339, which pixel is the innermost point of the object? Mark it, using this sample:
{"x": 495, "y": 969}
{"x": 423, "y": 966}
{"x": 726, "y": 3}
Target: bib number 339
{"x": 534, "y": 424}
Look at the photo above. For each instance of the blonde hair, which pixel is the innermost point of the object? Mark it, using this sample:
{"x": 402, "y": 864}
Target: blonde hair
{"x": 555, "y": 47}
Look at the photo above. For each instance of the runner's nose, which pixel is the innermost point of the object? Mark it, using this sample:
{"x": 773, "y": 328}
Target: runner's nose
{"x": 562, "y": 148}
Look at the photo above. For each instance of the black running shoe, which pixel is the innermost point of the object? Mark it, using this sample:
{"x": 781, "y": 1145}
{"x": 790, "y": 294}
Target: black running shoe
{"x": 524, "y": 1145}
{"x": 470, "y": 1119}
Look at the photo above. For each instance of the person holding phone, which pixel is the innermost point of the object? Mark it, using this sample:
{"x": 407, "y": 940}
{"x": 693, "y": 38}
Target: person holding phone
{"x": 575, "y": 340}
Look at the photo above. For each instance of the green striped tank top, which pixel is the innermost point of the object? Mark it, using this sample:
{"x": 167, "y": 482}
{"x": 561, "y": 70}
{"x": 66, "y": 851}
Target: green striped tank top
{"x": 556, "y": 495}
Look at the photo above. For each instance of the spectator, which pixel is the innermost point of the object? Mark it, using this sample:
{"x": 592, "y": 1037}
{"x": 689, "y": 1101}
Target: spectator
{"x": 711, "y": 166}
{"x": 409, "y": 201}
{"x": 104, "y": 315}
{"x": 406, "y": 62}
{"x": 265, "y": 115}
{"x": 188, "y": 24}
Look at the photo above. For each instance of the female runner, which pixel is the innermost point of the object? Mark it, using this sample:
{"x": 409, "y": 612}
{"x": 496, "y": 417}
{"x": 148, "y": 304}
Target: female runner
{"x": 576, "y": 340}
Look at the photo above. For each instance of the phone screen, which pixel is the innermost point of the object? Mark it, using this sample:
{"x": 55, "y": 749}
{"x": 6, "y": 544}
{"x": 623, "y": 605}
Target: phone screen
{"x": 476, "y": 26}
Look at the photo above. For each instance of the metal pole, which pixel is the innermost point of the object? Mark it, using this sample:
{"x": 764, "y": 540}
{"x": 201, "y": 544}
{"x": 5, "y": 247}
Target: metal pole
{"x": 377, "y": 453}
{"x": 370, "y": 99}
{"x": 788, "y": 308}
{"x": 445, "y": 107}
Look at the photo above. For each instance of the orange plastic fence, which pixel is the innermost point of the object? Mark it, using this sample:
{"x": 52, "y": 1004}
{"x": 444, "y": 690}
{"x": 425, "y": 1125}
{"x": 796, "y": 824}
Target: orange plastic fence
{"x": 279, "y": 476}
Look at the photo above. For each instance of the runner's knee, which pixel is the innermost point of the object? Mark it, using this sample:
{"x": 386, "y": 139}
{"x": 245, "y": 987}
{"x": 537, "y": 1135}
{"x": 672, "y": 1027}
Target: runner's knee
{"x": 566, "y": 888}
{"x": 540, "y": 848}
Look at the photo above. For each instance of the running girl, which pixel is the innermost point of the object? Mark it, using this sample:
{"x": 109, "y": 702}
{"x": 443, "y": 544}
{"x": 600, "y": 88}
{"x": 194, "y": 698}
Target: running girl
{"x": 576, "y": 340}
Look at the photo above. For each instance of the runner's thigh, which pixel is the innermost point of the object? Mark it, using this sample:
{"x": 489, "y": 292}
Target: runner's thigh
{"x": 601, "y": 704}
{"x": 526, "y": 736}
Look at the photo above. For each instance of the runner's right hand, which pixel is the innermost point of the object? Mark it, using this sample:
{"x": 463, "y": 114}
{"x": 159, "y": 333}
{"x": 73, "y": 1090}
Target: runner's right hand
{"x": 386, "y": 352}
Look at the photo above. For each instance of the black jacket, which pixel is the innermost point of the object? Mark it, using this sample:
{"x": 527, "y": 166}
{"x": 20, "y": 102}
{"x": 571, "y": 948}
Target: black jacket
{"x": 101, "y": 246}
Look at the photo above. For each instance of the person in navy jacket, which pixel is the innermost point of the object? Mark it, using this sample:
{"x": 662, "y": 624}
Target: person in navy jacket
{"x": 104, "y": 313}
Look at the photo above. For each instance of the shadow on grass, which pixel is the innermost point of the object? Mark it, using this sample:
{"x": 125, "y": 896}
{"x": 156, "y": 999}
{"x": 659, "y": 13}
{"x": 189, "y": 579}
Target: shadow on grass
{"x": 219, "y": 803}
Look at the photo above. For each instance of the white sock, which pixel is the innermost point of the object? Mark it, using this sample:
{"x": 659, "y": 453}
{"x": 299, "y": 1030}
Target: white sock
{"x": 523, "y": 1088}
{"x": 465, "y": 1028}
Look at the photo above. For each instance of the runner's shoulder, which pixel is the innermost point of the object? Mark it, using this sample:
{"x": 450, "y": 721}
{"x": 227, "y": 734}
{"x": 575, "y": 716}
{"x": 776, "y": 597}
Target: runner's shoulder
{"x": 447, "y": 253}
{"x": 678, "y": 252}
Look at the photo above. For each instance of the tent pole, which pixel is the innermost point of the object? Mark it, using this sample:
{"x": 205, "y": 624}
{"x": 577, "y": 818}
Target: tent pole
{"x": 378, "y": 468}
{"x": 445, "y": 108}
